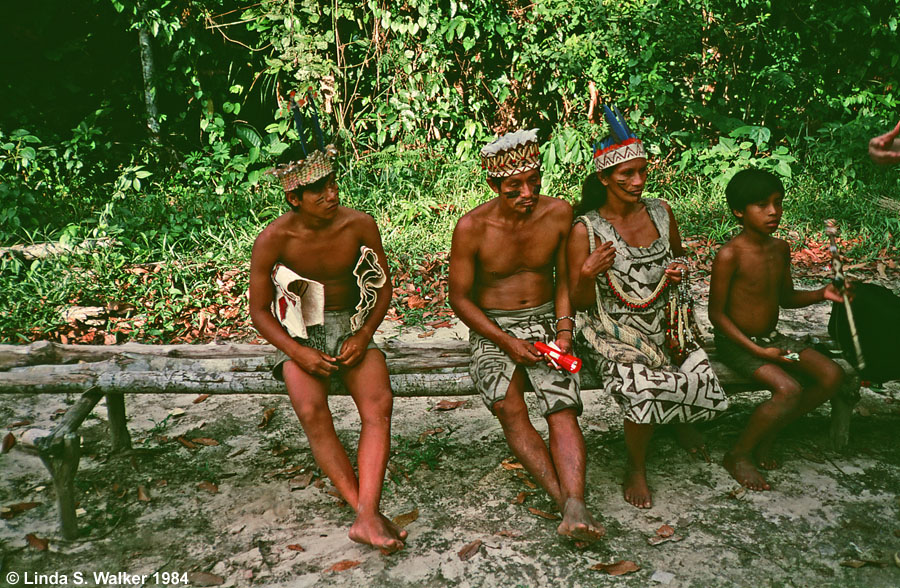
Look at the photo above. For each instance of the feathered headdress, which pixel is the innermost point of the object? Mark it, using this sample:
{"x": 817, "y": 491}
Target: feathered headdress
{"x": 621, "y": 144}
{"x": 511, "y": 154}
{"x": 315, "y": 164}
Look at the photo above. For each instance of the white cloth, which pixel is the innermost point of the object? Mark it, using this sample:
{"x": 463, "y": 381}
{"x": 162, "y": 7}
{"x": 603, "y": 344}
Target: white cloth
{"x": 299, "y": 303}
{"x": 370, "y": 277}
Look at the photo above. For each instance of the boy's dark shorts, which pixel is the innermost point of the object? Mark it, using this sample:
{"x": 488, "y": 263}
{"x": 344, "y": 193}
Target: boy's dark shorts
{"x": 328, "y": 339}
{"x": 745, "y": 363}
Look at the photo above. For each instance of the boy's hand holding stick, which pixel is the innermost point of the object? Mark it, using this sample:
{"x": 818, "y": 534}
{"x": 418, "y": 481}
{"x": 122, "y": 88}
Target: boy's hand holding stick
{"x": 839, "y": 282}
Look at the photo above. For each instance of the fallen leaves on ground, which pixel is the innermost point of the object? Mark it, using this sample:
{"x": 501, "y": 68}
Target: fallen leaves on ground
{"x": 543, "y": 514}
{"x": 520, "y": 497}
{"x": 265, "y": 418}
{"x": 142, "y": 494}
{"x": 208, "y": 487}
{"x": 429, "y": 432}
{"x": 300, "y": 482}
{"x": 205, "y": 441}
{"x": 205, "y": 579}
{"x": 8, "y": 512}
{"x": 469, "y": 550}
{"x": 664, "y": 534}
{"x": 280, "y": 449}
{"x": 295, "y": 547}
{"x": 9, "y": 440}
{"x": 406, "y": 518}
{"x": 617, "y": 568}
{"x": 22, "y": 423}
{"x": 185, "y": 442}
{"x": 737, "y": 493}
{"x": 286, "y": 472}
{"x": 858, "y": 563}
{"x": 342, "y": 565}
{"x": 510, "y": 463}
{"x": 524, "y": 477}
{"x": 449, "y": 404}
{"x": 36, "y": 542}
{"x": 201, "y": 398}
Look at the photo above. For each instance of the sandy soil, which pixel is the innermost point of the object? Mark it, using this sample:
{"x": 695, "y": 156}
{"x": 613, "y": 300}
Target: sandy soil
{"x": 825, "y": 507}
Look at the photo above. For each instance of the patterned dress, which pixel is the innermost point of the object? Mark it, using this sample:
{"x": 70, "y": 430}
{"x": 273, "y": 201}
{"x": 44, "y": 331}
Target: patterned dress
{"x": 686, "y": 393}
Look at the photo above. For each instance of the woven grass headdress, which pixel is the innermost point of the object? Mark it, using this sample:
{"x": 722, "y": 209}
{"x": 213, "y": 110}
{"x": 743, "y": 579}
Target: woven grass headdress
{"x": 621, "y": 144}
{"x": 511, "y": 154}
{"x": 315, "y": 164}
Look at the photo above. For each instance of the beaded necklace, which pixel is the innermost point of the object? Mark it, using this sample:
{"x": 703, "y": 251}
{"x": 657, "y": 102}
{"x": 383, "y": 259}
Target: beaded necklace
{"x": 630, "y": 301}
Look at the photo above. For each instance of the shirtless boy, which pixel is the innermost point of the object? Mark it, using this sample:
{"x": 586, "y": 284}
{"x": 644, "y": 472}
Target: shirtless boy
{"x": 503, "y": 259}
{"x": 751, "y": 279}
{"x": 320, "y": 240}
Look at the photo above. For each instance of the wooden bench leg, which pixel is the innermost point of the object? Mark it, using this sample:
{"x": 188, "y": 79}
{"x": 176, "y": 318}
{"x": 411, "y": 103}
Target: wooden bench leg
{"x": 842, "y": 409}
{"x": 61, "y": 458}
{"x": 61, "y": 451}
{"x": 118, "y": 429}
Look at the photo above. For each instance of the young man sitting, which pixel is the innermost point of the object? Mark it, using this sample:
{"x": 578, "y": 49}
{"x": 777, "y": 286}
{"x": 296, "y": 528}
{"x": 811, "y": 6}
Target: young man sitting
{"x": 320, "y": 241}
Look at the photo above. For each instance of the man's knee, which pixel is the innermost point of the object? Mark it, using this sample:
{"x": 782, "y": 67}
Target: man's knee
{"x": 377, "y": 404}
{"x": 310, "y": 410}
{"x": 510, "y": 409}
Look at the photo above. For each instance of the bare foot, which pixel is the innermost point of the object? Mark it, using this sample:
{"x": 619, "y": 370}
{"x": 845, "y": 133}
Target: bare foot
{"x": 691, "y": 440}
{"x": 578, "y": 523}
{"x": 637, "y": 492}
{"x": 743, "y": 470}
{"x": 399, "y": 531}
{"x": 375, "y": 530}
{"x": 763, "y": 454}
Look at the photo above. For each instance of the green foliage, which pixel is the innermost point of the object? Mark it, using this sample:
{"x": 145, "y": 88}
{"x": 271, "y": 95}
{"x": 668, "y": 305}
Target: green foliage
{"x": 411, "y": 91}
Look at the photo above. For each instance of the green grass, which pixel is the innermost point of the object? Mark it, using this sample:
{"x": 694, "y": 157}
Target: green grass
{"x": 182, "y": 248}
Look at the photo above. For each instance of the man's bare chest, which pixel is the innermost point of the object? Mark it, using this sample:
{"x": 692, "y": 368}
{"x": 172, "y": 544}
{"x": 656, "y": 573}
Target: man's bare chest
{"x": 321, "y": 259}
{"x": 504, "y": 252}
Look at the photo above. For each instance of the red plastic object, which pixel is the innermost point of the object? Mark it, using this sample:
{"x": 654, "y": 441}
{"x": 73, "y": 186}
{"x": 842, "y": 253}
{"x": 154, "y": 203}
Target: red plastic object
{"x": 568, "y": 362}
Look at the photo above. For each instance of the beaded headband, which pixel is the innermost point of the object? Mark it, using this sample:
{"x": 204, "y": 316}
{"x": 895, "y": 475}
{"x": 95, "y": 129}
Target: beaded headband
{"x": 511, "y": 154}
{"x": 621, "y": 144}
{"x": 316, "y": 164}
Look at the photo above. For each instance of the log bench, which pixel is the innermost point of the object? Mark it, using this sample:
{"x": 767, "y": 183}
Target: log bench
{"x": 426, "y": 368}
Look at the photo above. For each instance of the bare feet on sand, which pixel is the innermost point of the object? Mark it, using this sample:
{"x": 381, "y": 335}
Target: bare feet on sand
{"x": 691, "y": 440}
{"x": 637, "y": 493}
{"x": 377, "y": 531}
{"x": 742, "y": 469}
{"x": 398, "y": 530}
{"x": 578, "y": 523}
{"x": 764, "y": 456}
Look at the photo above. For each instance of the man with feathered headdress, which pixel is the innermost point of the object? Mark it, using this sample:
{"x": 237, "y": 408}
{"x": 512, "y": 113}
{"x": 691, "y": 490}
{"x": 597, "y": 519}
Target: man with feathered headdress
{"x": 319, "y": 288}
{"x": 508, "y": 284}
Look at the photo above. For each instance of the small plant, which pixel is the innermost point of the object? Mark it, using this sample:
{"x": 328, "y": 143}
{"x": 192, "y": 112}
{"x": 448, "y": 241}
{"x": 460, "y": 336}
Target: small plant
{"x": 411, "y": 454}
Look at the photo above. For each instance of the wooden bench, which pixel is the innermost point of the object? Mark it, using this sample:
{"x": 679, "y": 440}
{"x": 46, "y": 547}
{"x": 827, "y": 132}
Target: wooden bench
{"x": 427, "y": 368}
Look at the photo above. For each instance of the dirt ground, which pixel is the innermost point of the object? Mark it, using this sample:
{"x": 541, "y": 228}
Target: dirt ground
{"x": 252, "y": 511}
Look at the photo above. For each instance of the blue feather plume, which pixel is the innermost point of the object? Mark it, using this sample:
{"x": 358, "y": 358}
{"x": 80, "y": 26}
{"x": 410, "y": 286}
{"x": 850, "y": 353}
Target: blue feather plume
{"x": 315, "y": 116}
{"x": 618, "y": 128}
{"x": 298, "y": 122}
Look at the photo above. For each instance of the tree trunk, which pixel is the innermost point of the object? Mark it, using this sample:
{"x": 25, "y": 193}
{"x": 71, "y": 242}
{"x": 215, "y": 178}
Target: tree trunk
{"x": 149, "y": 72}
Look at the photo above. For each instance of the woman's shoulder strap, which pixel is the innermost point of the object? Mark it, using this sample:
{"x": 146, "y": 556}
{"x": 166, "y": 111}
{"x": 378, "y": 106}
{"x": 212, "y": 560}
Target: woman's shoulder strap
{"x": 658, "y": 214}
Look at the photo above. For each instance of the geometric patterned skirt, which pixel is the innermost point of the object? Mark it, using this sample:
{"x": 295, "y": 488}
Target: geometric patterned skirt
{"x": 687, "y": 393}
